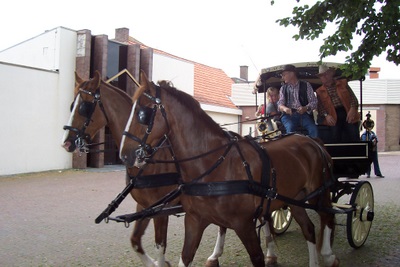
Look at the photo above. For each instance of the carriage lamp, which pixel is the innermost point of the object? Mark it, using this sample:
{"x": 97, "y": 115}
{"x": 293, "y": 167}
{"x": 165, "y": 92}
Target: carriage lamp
{"x": 368, "y": 124}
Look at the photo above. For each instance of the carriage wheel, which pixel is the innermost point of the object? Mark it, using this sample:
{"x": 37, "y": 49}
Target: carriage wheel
{"x": 359, "y": 221}
{"x": 281, "y": 220}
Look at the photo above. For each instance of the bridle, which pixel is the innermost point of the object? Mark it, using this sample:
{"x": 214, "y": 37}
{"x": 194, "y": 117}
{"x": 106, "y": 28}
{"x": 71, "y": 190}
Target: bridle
{"x": 146, "y": 116}
{"x": 86, "y": 109}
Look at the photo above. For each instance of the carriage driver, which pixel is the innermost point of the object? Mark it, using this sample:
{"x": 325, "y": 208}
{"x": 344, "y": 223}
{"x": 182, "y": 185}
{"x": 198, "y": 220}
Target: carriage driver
{"x": 297, "y": 100}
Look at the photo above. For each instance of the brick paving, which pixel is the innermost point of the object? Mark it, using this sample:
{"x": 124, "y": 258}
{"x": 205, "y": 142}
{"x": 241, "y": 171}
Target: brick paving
{"x": 47, "y": 219}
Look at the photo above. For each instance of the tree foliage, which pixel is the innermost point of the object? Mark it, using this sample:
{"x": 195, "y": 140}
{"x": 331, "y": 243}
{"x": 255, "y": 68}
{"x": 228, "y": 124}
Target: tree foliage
{"x": 376, "y": 21}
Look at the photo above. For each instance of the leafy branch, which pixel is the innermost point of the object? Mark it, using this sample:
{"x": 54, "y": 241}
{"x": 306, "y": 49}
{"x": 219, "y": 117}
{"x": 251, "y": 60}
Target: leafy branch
{"x": 376, "y": 21}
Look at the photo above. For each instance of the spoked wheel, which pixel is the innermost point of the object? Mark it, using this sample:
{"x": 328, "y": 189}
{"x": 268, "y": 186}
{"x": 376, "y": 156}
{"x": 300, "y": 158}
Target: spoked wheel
{"x": 281, "y": 220}
{"x": 359, "y": 221}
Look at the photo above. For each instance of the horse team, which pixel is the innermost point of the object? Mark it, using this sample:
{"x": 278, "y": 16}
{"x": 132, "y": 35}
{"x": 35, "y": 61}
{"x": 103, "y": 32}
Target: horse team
{"x": 149, "y": 127}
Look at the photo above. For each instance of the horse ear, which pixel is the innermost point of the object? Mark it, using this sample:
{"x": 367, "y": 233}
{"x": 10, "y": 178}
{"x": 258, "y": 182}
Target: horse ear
{"x": 78, "y": 79}
{"x": 97, "y": 78}
{"x": 144, "y": 85}
{"x": 143, "y": 78}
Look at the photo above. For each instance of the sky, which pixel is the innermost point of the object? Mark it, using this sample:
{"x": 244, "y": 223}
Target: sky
{"x": 224, "y": 34}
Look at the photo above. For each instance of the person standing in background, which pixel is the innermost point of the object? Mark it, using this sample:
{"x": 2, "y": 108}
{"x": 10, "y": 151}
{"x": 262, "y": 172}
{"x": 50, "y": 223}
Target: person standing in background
{"x": 370, "y": 136}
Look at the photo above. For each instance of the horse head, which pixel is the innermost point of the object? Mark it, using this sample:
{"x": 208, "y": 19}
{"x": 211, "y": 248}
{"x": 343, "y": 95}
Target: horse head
{"x": 87, "y": 114}
{"x": 147, "y": 125}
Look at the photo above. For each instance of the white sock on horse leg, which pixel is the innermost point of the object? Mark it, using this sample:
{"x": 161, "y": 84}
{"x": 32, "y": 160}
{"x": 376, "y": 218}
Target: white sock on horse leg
{"x": 312, "y": 254}
{"x": 326, "y": 250}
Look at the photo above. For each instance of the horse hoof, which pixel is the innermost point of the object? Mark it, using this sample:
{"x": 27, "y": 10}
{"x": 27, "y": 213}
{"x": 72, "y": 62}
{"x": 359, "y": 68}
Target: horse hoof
{"x": 271, "y": 260}
{"x": 212, "y": 263}
{"x": 336, "y": 263}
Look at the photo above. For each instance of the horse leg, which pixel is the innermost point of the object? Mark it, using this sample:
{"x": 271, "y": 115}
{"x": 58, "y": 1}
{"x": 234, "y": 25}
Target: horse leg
{"x": 307, "y": 227}
{"x": 248, "y": 235}
{"x": 212, "y": 261}
{"x": 161, "y": 229}
{"x": 271, "y": 257}
{"x": 194, "y": 229}
{"x": 326, "y": 240}
{"x": 136, "y": 241}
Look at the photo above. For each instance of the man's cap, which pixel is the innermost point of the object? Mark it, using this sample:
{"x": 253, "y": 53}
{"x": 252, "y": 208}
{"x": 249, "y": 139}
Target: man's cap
{"x": 324, "y": 69}
{"x": 289, "y": 68}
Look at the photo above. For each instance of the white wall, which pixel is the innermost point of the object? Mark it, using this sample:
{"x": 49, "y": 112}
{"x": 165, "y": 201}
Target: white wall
{"x": 31, "y": 130}
{"x": 34, "y": 102}
{"x": 179, "y": 72}
{"x": 223, "y": 119}
{"x": 378, "y": 91}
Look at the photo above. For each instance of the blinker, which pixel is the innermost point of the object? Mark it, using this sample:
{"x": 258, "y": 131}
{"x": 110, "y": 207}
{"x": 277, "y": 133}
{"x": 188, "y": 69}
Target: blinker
{"x": 144, "y": 115}
{"x": 86, "y": 109}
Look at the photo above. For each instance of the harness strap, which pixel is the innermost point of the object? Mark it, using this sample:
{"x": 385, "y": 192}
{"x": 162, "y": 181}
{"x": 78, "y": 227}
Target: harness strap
{"x": 224, "y": 188}
{"x": 152, "y": 210}
{"x": 115, "y": 203}
{"x": 265, "y": 176}
{"x": 155, "y": 180}
{"x": 140, "y": 182}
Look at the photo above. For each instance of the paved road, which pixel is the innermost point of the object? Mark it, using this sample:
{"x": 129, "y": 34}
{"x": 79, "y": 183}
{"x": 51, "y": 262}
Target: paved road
{"x": 47, "y": 219}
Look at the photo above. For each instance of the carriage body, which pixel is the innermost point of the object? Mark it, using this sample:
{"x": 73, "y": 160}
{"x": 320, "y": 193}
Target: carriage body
{"x": 351, "y": 159}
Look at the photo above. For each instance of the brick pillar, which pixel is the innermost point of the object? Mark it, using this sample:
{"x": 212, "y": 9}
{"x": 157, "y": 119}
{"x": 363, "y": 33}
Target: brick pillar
{"x": 244, "y": 73}
{"x": 146, "y": 62}
{"x": 133, "y": 66}
{"x": 100, "y": 43}
{"x": 83, "y": 49}
{"x": 122, "y": 35}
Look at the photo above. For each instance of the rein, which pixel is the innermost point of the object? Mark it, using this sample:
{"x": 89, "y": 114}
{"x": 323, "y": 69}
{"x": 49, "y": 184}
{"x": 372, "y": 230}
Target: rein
{"x": 140, "y": 182}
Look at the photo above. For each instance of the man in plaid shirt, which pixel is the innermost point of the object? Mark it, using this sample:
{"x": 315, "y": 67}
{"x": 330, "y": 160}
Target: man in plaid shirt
{"x": 297, "y": 101}
{"x": 338, "y": 107}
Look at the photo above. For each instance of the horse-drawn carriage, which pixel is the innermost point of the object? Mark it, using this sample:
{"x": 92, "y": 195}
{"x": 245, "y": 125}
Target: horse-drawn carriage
{"x": 225, "y": 179}
{"x": 350, "y": 159}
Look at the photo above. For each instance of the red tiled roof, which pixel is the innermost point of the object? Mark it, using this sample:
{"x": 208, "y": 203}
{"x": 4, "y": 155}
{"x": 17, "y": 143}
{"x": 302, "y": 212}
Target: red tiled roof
{"x": 211, "y": 85}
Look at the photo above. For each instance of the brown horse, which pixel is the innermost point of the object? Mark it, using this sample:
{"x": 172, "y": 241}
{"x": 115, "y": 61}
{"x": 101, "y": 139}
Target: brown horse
{"x": 210, "y": 157}
{"x": 86, "y": 120}
{"x": 96, "y": 105}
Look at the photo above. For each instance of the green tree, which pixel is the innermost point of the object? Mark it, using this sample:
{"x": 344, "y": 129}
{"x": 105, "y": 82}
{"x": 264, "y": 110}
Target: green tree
{"x": 376, "y": 21}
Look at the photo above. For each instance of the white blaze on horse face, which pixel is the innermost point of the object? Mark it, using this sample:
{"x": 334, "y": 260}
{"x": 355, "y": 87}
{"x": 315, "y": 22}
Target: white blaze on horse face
{"x": 71, "y": 118}
{"x": 127, "y": 127}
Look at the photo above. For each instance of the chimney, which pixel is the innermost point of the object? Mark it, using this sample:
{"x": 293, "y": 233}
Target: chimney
{"x": 244, "y": 73}
{"x": 122, "y": 35}
{"x": 373, "y": 72}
